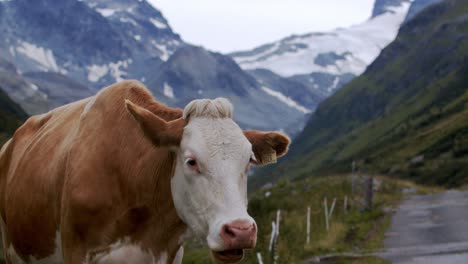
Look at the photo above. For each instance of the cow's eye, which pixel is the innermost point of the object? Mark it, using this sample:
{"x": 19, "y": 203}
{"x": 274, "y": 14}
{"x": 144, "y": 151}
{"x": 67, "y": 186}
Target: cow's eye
{"x": 192, "y": 164}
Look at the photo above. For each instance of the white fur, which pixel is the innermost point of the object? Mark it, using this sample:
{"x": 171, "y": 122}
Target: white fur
{"x": 179, "y": 256}
{"x": 218, "y": 195}
{"x": 123, "y": 252}
{"x": 217, "y": 108}
{"x": 88, "y": 106}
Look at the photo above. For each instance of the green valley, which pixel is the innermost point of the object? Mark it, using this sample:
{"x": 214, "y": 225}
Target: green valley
{"x": 407, "y": 115}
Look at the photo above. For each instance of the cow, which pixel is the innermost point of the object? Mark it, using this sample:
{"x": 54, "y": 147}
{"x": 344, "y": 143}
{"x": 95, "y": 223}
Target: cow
{"x": 122, "y": 178}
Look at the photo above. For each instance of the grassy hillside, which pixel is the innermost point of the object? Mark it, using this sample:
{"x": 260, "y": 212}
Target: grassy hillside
{"x": 11, "y": 116}
{"x": 406, "y": 115}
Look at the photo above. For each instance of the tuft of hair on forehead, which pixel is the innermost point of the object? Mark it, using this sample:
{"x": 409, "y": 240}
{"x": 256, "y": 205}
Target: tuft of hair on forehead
{"x": 216, "y": 108}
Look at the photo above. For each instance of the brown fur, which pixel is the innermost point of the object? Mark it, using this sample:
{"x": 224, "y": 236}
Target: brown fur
{"x": 98, "y": 176}
{"x": 265, "y": 144}
{"x": 162, "y": 133}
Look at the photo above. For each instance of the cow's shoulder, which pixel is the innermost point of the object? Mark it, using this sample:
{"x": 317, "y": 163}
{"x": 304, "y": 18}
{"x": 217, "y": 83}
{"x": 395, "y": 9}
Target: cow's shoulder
{"x": 31, "y": 126}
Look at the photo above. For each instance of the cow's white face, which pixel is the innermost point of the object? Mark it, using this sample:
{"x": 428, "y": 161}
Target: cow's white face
{"x": 209, "y": 187}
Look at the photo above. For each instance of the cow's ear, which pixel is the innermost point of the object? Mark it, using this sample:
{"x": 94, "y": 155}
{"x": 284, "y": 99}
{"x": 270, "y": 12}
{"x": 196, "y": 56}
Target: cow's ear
{"x": 160, "y": 132}
{"x": 267, "y": 146}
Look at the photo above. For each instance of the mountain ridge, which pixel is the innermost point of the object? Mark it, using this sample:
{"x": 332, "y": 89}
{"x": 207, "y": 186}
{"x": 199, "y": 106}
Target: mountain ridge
{"x": 398, "y": 126}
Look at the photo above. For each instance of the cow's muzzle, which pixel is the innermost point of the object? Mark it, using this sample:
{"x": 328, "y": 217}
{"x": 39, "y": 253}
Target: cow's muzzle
{"x": 236, "y": 236}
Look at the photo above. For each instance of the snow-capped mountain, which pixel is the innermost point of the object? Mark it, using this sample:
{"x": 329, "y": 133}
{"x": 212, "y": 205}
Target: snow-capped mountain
{"x": 193, "y": 72}
{"x": 95, "y": 42}
{"x": 98, "y": 42}
{"x": 65, "y": 50}
{"x": 341, "y": 54}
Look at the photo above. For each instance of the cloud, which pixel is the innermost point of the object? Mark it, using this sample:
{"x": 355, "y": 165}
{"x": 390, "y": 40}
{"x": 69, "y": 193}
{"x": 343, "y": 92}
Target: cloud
{"x": 230, "y": 25}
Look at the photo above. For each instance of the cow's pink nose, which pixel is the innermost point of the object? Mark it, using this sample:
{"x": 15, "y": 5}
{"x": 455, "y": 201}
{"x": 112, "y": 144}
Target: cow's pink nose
{"x": 239, "y": 234}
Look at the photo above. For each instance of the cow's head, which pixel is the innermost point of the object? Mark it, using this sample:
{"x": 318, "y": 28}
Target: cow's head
{"x": 209, "y": 186}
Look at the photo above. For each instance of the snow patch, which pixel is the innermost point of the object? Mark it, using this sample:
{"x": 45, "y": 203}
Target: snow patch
{"x": 362, "y": 43}
{"x": 96, "y": 72}
{"x": 334, "y": 85}
{"x": 105, "y": 12}
{"x": 34, "y": 87}
{"x": 165, "y": 53}
{"x": 285, "y": 99}
{"x": 158, "y": 24}
{"x": 115, "y": 70}
{"x": 128, "y": 20}
{"x": 168, "y": 91}
{"x": 45, "y": 57}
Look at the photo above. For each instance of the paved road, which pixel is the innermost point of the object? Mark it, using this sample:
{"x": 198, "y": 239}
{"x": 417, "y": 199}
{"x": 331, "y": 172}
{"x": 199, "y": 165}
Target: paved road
{"x": 429, "y": 229}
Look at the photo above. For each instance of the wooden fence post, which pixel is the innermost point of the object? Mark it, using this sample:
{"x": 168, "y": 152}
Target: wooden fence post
{"x": 275, "y": 242}
{"x": 345, "y": 207}
{"x": 325, "y": 205}
{"x": 259, "y": 257}
{"x": 278, "y": 221}
{"x": 308, "y": 225}
{"x": 369, "y": 192}
{"x": 331, "y": 209}
{"x": 273, "y": 234}
{"x": 353, "y": 169}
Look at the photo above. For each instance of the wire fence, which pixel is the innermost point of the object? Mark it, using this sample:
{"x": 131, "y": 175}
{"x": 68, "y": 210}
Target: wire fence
{"x": 360, "y": 198}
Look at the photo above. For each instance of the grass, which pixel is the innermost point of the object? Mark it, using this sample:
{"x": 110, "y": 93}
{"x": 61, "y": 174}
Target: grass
{"x": 356, "y": 230}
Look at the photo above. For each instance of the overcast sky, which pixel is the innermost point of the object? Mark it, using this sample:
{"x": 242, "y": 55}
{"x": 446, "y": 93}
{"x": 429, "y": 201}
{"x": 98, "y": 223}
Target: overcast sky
{"x": 232, "y": 25}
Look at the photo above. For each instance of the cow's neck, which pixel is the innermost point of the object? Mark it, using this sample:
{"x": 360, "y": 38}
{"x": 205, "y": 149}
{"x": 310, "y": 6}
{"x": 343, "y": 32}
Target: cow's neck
{"x": 147, "y": 178}
{"x": 161, "y": 228}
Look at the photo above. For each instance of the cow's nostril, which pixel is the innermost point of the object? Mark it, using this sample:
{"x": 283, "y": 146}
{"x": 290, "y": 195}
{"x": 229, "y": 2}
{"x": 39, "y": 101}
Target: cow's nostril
{"x": 229, "y": 232}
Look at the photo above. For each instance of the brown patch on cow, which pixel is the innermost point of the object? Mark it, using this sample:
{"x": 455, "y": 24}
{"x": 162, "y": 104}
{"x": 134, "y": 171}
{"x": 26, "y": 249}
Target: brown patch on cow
{"x": 160, "y": 132}
{"x": 94, "y": 175}
{"x": 146, "y": 100}
{"x": 267, "y": 146}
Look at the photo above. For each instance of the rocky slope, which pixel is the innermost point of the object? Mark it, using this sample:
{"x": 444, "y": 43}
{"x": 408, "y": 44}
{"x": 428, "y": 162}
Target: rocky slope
{"x": 326, "y": 61}
{"x": 407, "y": 115}
{"x": 193, "y": 72}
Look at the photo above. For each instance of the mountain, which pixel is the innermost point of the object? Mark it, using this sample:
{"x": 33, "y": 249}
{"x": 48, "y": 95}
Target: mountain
{"x": 60, "y": 49}
{"x": 339, "y": 55}
{"x": 58, "y": 88}
{"x": 305, "y": 96}
{"x": 328, "y": 60}
{"x": 407, "y": 115}
{"x": 11, "y": 116}
{"x": 64, "y": 51}
{"x": 95, "y": 42}
{"x": 20, "y": 90}
{"x": 419, "y": 5}
{"x": 193, "y": 72}
{"x": 385, "y": 6}
{"x": 39, "y": 92}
